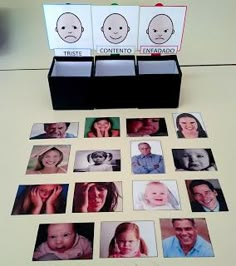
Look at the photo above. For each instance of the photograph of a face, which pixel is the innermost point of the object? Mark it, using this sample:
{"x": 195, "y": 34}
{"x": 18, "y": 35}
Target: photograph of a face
{"x": 194, "y": 160}
{"x": 128, "y": 239}
{"x": 102, "y": 127}
{"x": 185, "y": 238}
{"x": 48, "y": 159}
{"x": 146, "y": 157}
{"x": 156, "y": 195}
{"x": 97, "y": 161}
{"x": 98, "y": 197}
{"x": 57, "y": 130}
{"x": 206, "y": 195}
{"x": 40, "y": 199}
{"x": 64, "y": 241}
{"x": 189, "y": 125}
{"x": 142, "y": 127}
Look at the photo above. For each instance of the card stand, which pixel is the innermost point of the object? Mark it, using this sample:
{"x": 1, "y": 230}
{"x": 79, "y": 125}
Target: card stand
{"x": 112, "y": 75}
{"x": 163, "y": 75}
{"x": 70, "y": 81}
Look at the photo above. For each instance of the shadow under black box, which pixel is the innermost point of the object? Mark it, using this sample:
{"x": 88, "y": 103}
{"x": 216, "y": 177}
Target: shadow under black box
{"x": 103, "y": 82}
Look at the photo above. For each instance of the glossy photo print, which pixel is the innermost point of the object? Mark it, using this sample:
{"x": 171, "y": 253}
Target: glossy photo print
{"x": 143, "y": 127}
{"x": 57, "y": 130}
{"x": 189, "y": 125}
{"x": 98, "y": 197}
{"x": 156, "y": 195}
{"x": 64, "y": 241}
{"x": 102, "y": 127}
{"x": 206, "y": 195}
{"x": 146, "y": 157}
{"x": 185, "y": 238}
{"x": 48, "y": 159}
{"x": 194, "y": 160}
{"x": 97, "y": 161}
{"x": 128, "y": 239}
{"x": 40, "y": 199}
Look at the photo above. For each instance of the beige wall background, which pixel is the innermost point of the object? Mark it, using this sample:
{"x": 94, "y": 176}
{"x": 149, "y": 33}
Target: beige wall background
{"x": 209, "y": 37}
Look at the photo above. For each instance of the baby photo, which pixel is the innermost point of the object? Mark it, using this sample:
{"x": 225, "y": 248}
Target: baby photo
{"x": 64, "y": 241}
{"x": 47, "y": 159}
{"x": 98, "y": 197}
{"x": 189, "y": 125}
{"x": 206, "y": 195}
{"x": 143, "y": 127}
{"x": 102, "y": 127}
{"x": 185, "y": 238}
{"x": 132, "y": 239}
{"x": 146, "y": 157}
{"x": 156, "y": 195}
{"x": 40, "y": 199}
{"x": 58, "y": 130}
{"x": 194, "y": 160}
{"x": 97, "y": 161}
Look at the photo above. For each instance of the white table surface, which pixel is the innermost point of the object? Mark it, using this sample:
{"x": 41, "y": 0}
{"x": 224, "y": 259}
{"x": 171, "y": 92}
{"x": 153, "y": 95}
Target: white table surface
{"x": 25, "y": 100}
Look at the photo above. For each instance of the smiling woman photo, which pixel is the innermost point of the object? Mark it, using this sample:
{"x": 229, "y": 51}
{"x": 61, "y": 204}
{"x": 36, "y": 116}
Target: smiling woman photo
{"x": 48, "y": 160}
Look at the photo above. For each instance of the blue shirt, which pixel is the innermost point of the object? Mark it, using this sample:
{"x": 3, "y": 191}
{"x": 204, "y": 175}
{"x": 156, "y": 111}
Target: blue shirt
{"x": 149, "y": 164}
{"x": 172, "y": 248}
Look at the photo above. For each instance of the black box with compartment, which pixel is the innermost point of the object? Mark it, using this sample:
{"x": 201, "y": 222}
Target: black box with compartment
{"x": 115, "y": 81}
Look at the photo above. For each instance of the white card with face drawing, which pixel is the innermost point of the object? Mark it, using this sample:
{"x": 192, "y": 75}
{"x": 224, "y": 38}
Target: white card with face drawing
{"x": 161, "y": 29}
{"x": 115, "y": 29}
{"x": 68, "y": 26}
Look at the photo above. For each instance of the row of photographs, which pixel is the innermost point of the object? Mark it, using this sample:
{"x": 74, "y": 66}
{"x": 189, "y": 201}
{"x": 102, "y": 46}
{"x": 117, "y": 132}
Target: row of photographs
{"x": 146, "y": 158}
{"x": 123, "y": 239}
{"x": 187, "y": 125}
{"x": 205, "y": 195}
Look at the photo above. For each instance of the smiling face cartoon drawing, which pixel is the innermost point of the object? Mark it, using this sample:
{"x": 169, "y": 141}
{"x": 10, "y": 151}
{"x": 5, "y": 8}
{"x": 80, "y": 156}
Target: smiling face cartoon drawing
{"x": 115, "y": 28}
{"x": 69, "y": 27}
{"x": 160, "y": 29}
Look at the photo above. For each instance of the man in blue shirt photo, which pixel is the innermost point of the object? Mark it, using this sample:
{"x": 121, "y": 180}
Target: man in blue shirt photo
{"x": 186, "y": 242}
{"x": 147, "y": 162}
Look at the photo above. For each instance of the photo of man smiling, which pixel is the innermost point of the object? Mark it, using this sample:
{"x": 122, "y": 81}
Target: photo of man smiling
{"x": 184, "y": 238}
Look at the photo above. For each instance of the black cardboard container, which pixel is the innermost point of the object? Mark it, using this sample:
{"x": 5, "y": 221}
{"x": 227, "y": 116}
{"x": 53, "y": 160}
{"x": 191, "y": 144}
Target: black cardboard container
{"x": 70, "y": 81}
{"x": 161, "y": 76}
{"x": 115, "y": 81}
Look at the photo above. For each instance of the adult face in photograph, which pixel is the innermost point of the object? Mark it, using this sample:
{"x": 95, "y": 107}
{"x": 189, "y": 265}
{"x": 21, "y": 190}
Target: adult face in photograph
{"x": 56, "y": 130}
{"x": 97, "y": 197}
{"x": 186, "y": 232}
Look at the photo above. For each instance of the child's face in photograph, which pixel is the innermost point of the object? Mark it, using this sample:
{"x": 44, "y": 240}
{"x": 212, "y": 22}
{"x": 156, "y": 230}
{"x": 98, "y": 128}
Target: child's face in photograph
{"x": 205, "y": 196}
{"x": 45, "y": 191}
{"x": 195, "y": 160}
{"x": 127, "y": 243}
{"x": 61, "y": 237}
{"x": 188, "y": 124}
{"x": 98, "y": 158}
{"x": 51, "y": 159}
{"x": 103, "y": 125}
{"x": 97, "y": 195}
{"x": 56, "y": 130}
{"x": 156, "y": 194}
